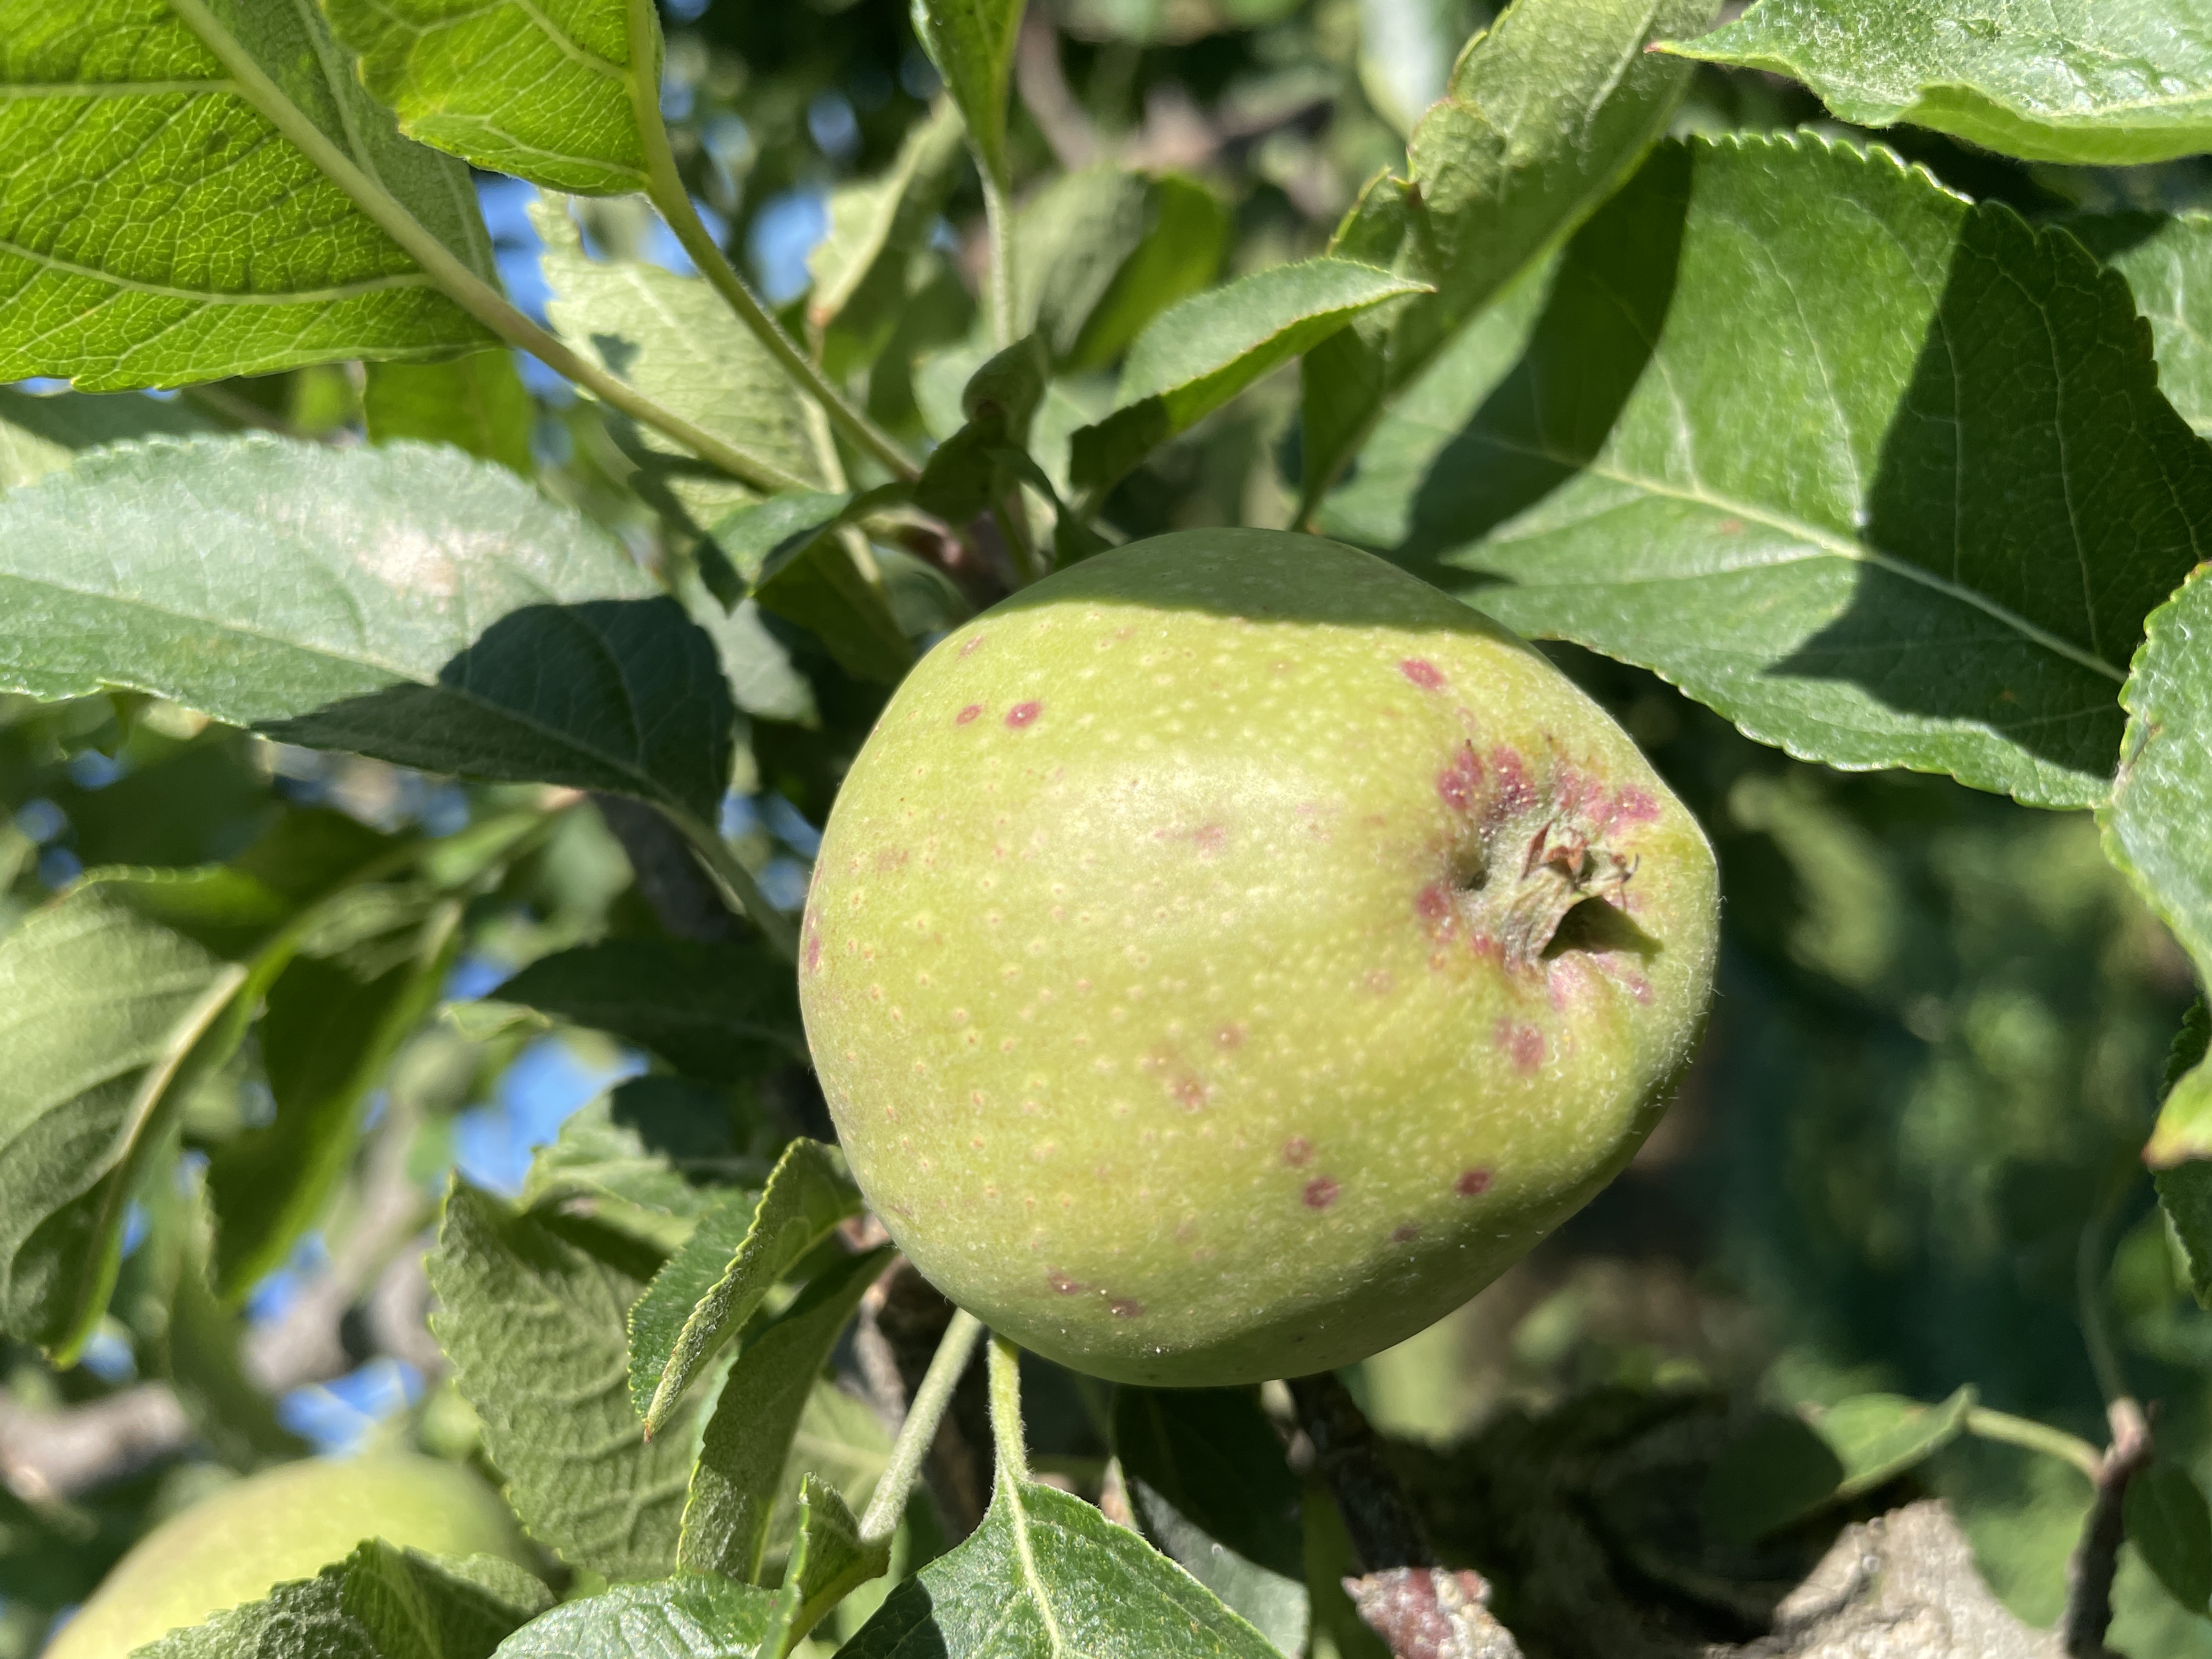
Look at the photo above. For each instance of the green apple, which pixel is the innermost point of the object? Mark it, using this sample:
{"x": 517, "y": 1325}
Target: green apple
{"x": 284, "y": 1523}
{"x": 1228, "y": 955}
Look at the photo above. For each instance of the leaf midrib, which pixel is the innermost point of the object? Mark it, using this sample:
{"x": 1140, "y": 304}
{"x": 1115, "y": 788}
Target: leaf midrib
{"x": 1829, "y": 542}
{"x": 208, "y": 297}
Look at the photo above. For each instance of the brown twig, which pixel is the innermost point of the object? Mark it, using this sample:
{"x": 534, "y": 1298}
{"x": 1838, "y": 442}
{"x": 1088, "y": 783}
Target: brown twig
{"x": 2095, "y": 1560}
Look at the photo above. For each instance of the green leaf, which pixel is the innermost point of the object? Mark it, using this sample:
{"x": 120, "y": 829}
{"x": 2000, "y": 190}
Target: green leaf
{"x": 2185, "y": 1189}
{"x": 748, "y": 1442}
{"x": 1939, "y": 560}
{"x": 539, "y": 91}
{"x": 724, "y": 1012}
{"x": 2168, "y": 265}
{"x": 965, "y": 474}
{"x": 1101, "y": 252}
{"x": 330, "y": 1025}
{"x": 2169, "y": 1525}
{"x": 1204, "y": 351}
{"x": 1788, "y": 1467}
{"x": 2153, "y": 824}
{"x": 380, "y": 1602}
{"x": 184, "y": 1335}
{"x": 159, "y": 225}
{"x": 41, "y": 434}
{"x": 874, "y": 223}
{"x": 691, "y": 1616}
{"x": 2098, "y": 82}
{"x": 475, "y": 403}
{"x": 532, "y": 1322}
{"x": 1047, "y": 1573}
{"x": 674, "y": 339}
{"x": 437, "y": 612}
{"x": 115, "y": 1001}
{"x": 1208, "y": 1480}
{"x": 673, "y": 1333}
{"x": 972, "y": 44}
{"x": 789, "y": 553}
{"x": 1546, "y": 114}
{"x": 828, "y": 1561}
{"x": 639, "y": 1159}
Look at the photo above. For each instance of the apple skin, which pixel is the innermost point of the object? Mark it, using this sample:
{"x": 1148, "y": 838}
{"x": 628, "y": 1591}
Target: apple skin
{"x": 284, "y": 1523}
{"x": 1174, "y": 962}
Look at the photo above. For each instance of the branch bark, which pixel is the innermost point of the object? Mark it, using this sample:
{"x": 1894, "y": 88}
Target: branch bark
{"x": 2096, "y": 1558}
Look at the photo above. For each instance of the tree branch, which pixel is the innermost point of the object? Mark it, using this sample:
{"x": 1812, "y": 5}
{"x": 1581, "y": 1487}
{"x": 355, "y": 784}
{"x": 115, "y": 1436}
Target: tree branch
{"x": 2090, "y": 1572}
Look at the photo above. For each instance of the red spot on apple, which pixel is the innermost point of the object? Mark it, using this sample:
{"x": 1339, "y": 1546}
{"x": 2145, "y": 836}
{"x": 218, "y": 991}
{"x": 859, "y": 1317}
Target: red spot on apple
{"x": 1637, "y": 805}
{"x": 1422, "y": 672}
{"x": 1230, "y": 1036}
{"x": 1210, "y": 838}
{"x": 1060, "y": 1282}
{"x": 1297, "y": 1150}
{"x": 1123, "y": 1309}
{"x": 1472, "y": 1183}
{"x": 1524, "y": 1042}
{"x": 970, "y": 643}
{"x": 1190, "y": 1092}
{"x": 1024, "y": 713}
{"x": 1514, "y": 793}
{"x": 1432, "y": 904}
{"x": 1457, "y": 783}
{"x": 1321, "y": 1193}
{"x": 968, "y": 714}
{"x": 813, "y": 952}
{"x": 1405, "y": 1232}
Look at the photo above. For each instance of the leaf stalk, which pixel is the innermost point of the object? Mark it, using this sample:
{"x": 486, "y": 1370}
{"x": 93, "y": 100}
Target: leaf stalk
{"x": 664, "y": 188}
{"x": 923, "y": 1416}
{"x": 479, "y": 298}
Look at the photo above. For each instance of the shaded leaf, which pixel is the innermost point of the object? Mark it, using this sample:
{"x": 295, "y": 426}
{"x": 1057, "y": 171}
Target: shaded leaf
{"x": 2168, "y": 263}
{"x": 532, "y": 1322}
{"x": 826, "y": 1562}
{"x": 539, "y": 91}
{"x": 1787, "y": 1467}
{"x": 748, "y": 1442}
{"x": 2185, "y": 1189}
{"x": 115, "y": 1001}
{"x": 1101, "y": 252}
{"x": 972, "y": 44}
{"x": 2169, "y": 1525}
{"x": 475, "y": 403}
{"x": 1208, "y": 1483}
{"x": 874, "y": 221}
{"x": 2100, "y": 82}
{"x": 41, "y": 434}
{"x": 1939, "y": 560}
{"x": 440, "y": 613}
{"x": 1047, "y": 1573}
{"x": 157, "y": 228}
{"x": 380, "y": 1602}
{"x": 2154, "y": 825}
{"x": 673, "y": 1333}
{"x": 965, "y": 474}
{"x": 641, "y": 1159}
{"x": 1204, "y": 351}
{"x": 330, "y": 1027}
{"x": 790, "y": 554}
{"x": 674, "y": 339}
{"x": 692, "y": 1616}
{"x": 725, "y": 1011}
{"x": 1546, "y": 114}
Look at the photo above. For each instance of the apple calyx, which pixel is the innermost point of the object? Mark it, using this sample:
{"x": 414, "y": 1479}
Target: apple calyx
{"x": 1562, "y": 869}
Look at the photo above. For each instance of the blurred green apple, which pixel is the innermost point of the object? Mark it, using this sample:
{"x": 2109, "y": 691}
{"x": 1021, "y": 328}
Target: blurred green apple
{"x": 1228, "y": 955}
{"x": 284, "y": 1523}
